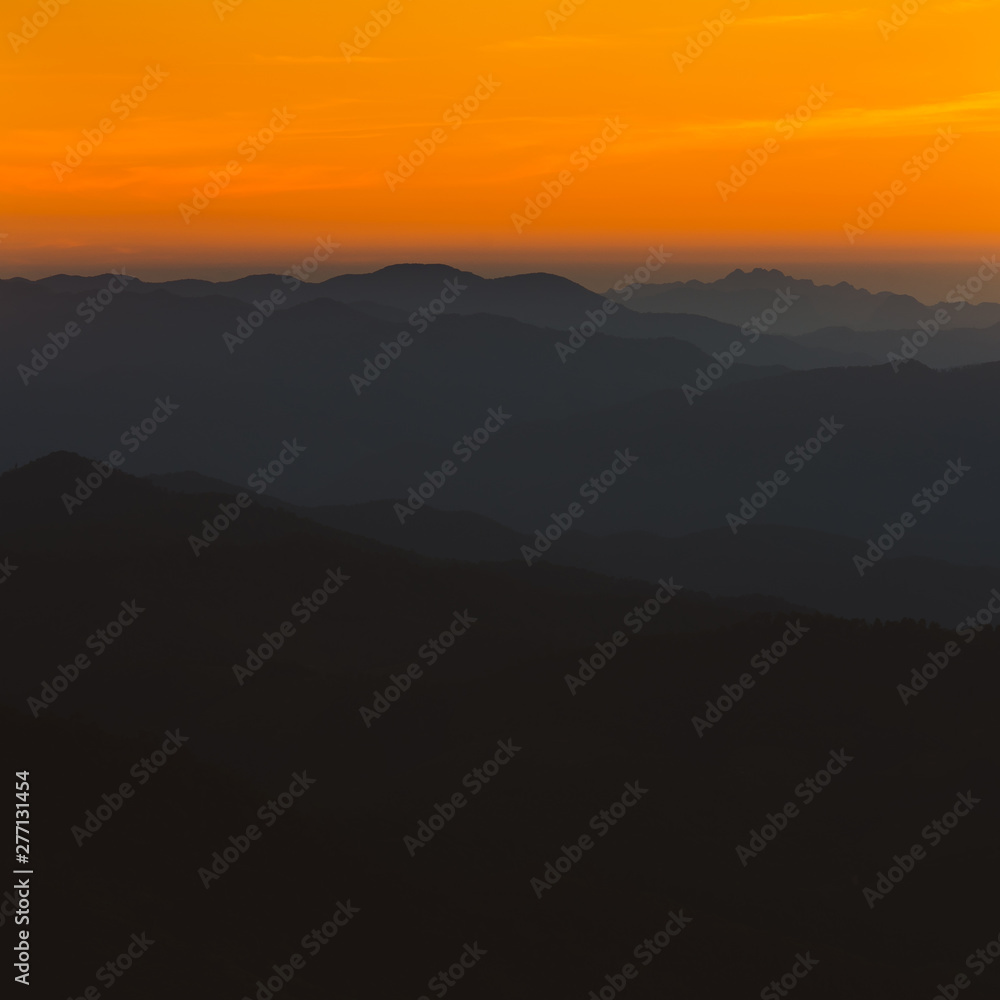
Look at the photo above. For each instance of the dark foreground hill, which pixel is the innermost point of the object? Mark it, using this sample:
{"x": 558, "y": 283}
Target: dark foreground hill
{"x": 797, "y": 566}
{"x": 756, "y": 772}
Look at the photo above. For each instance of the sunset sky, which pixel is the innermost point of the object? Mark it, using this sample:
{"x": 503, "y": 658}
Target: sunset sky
{"x": 880, "y": 98}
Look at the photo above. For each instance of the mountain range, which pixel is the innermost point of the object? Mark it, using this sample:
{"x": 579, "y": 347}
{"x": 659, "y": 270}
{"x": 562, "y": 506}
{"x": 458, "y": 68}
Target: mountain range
{"x": 743, "y": 294}
{"x": 358, "y": 538}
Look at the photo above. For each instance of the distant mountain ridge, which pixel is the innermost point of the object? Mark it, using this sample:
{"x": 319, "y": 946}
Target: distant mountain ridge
{"x": 765, "y": 566}
{"x": 707, "y": 314}
{"x": 414, "y": 295}
{"x": 294, "y": 376}
{"x": 769, "y": 568}
{"x": 741, "y": 295}
{"x": 539, "y": 298}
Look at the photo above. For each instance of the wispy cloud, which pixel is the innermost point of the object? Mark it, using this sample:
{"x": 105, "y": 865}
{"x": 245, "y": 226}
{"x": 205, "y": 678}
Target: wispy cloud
{"x": 770, "y": 20}
{"x": 968, "y": 110}
{"x": 281, "y": 60}
{"x": 959, "y": 5}
{"x": 979, "y": 112}
{"x": 558, "y": 41}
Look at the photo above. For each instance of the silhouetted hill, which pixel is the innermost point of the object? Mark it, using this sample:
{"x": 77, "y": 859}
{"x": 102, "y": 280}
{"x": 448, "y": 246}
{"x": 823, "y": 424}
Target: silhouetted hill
{"x": 809, "y": 569}
{"x": 741, "y": 295}
{"x": 697, "y": 463}
{"x": 711, "y": 319}
{"x": 796, "y": 353}
{"x": 503, "y": 681}
{"x": 306, "y": 374}
{"x": 312, "y": 366}
{"x": 540, "y": 299}
{"x": 949, "y": 348}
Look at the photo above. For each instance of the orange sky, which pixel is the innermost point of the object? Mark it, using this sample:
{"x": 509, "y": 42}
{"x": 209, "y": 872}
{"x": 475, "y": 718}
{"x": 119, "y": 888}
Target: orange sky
{"x": 555, "y": 85}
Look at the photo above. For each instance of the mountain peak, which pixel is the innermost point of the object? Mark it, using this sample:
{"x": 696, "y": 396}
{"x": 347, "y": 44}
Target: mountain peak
{"x": 756, "y": 274}
{"x": 421, "y": 269}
